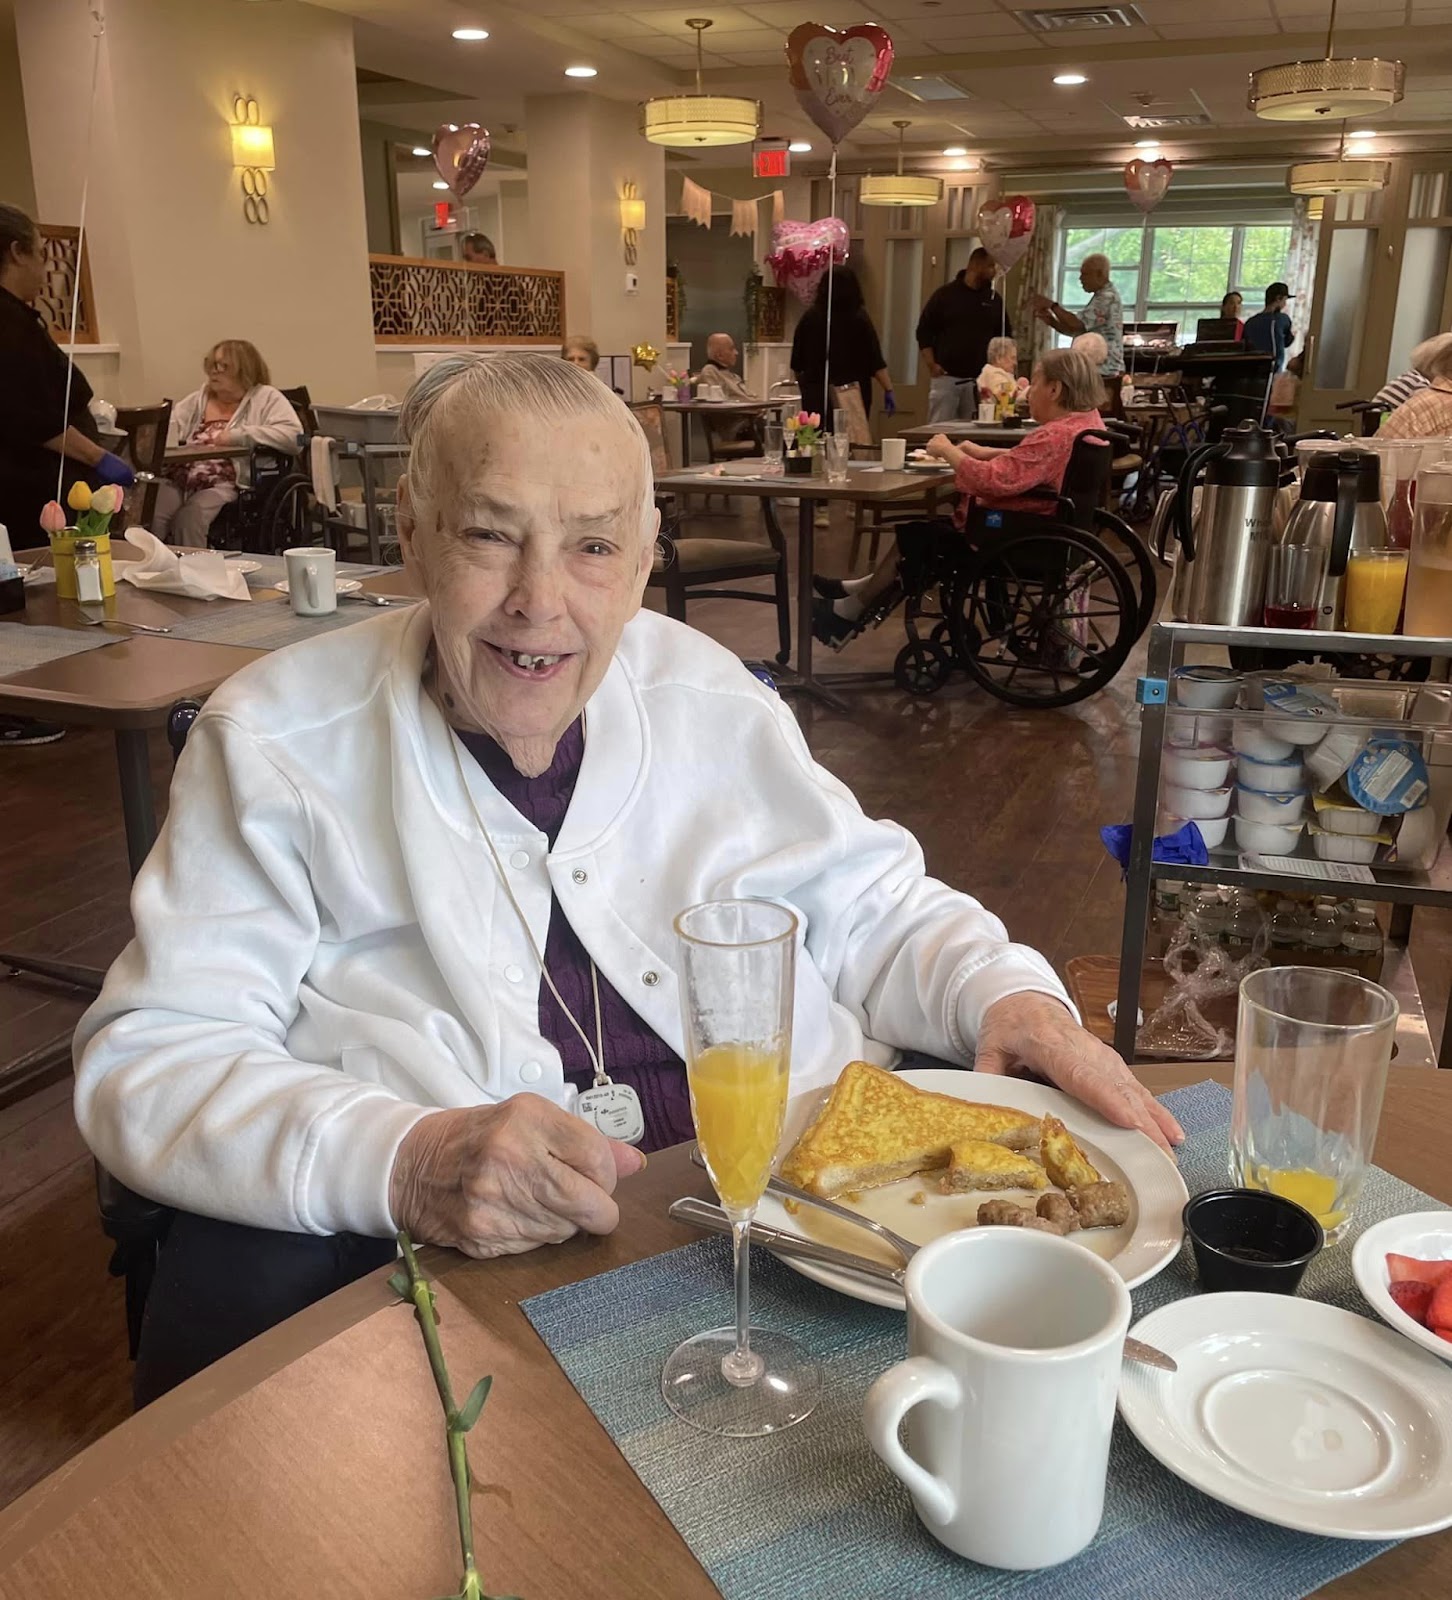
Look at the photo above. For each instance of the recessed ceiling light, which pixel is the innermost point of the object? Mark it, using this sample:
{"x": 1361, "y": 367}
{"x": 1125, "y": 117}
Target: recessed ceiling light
{"x": 799, "y": 147}
{"x": 1146, "y": 144}
{"x": 421, "y": 150}
{"x": 956, "y": 150}
{"x": 471, "y": 35}
{"x": 440, "y": 184}
{"x": 1363, "y": 133}
{"x": 579, "y": 72}
{"x": 1069, "y": 79}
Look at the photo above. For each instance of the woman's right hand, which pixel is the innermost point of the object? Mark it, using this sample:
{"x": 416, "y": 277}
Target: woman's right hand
{"x": 112, "y": 469}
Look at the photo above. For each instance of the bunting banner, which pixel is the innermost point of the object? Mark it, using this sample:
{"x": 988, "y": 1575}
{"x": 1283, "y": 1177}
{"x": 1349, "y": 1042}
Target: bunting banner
{"x": 743, "y": 218}
{"x": 696, "y": 203}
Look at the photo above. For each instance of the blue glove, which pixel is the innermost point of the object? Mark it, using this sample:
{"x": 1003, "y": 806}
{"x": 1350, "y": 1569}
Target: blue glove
{"x": 889, "y": 403}
{"x": 1184, "y": 847}
{"x": 112, "y": 469}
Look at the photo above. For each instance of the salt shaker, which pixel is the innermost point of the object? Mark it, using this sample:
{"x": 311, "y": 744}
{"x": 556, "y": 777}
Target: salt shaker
{"x": 88, "y": 572}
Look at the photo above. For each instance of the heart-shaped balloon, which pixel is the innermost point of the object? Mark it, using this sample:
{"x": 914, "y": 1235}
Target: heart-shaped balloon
{"x": 461, "y": 154}
{"x": 1006, "y": 227}
{"x": 801, "y": 250}
{"x": 1147, "y": 182}
{"x": 836, "y": 75}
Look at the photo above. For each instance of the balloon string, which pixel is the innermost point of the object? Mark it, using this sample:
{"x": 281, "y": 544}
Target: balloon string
{"x": 98, "y": 20}
{"x": 831, "y": 258}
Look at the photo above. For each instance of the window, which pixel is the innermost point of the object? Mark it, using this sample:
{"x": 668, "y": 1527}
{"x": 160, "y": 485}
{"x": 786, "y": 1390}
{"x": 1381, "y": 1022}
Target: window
{"x": 1121, "y": 245}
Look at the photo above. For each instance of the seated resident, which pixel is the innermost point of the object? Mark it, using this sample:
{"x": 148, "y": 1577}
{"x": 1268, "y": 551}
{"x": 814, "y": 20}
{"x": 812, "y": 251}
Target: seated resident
{"x": 1427, "y": 414}
{"x": 581, "y": 352}
{"x": 1000, "y": 371}
{"x": 236, "y": 406}
{"x": 720, "y": 369}
{"x": 411, "y": 867}
{"x": 1064, "y": 396}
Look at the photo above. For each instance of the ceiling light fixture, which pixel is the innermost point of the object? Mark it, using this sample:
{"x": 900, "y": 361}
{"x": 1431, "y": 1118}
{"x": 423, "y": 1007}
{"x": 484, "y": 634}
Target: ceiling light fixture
{"x": 1345, "y": 175}
{"x": 1362, "y": 133}
{"x": 1070, "y": 80}
{"x": 580, "y": 72}
{"x": 440, "y": 184}
{"x": 956, "y": 150}
{"x": 1146, "y": 144}
{"x": 471, "y": 35}
{"x": 899, "y": 189}
{"x": 692, "y": 120}
{"x": 1323, "y": 91}
{"x": 800, "y": 147}
{"x": 421, "y": 150}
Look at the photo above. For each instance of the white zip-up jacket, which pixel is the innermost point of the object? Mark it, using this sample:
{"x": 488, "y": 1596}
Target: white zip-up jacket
{"x": 324, "y": 952}
{"x": 264, "y": 416}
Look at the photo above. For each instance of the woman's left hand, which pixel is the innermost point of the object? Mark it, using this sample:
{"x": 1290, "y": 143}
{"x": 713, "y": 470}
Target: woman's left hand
{"x": 942, "y": 446}
{"x": 1037, "y": 1032}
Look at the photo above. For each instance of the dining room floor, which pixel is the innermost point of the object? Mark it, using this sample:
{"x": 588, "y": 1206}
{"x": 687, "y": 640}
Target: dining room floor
{"x": 1006, "y": 804}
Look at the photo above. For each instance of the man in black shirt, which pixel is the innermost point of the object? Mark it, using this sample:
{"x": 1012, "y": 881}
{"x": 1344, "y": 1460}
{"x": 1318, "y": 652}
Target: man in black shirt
{"x": 1270, "y": 332}
{"x": 953, "y": 333}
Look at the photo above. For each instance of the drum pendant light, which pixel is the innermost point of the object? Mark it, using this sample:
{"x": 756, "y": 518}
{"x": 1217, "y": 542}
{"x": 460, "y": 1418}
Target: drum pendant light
{"x": 1343, "y": 175}
{"x": 695, "y": 120}
{"x": 1326, "y": 90}
{"x": 900, "y": 189}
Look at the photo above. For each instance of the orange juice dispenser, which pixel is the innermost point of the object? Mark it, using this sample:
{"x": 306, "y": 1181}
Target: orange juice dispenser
{"x": 1429, "y": 578}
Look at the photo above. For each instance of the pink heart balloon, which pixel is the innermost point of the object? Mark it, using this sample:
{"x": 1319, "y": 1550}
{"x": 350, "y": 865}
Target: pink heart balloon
{"x": 836, "y": 75}
{"x": 1006, "y": 227}
{"x": 461, "y": 154}
{"x": 801, "y": 250}
{"x": 1147, "y": 182}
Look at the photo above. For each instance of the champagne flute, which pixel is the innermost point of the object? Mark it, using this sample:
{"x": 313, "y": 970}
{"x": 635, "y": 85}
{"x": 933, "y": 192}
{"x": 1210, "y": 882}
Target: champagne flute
{"x": 737, "y": 969}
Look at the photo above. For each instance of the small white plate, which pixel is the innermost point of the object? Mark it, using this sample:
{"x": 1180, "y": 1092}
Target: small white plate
{"x": 1146, "y": 1244}
{"x": 1424, "y": 1234}
{"x": 244, "y": 567}
{"x": 927, "y": 466}
{"x": 1298, "y": 1413}
{"x": 344, "y": 585}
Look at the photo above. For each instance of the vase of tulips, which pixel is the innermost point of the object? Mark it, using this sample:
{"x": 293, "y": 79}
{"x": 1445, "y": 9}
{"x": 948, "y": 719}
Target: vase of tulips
{"x": 802, "y": 432}
{"x": 680, "y": 382}
{"x": 94, "y": 508}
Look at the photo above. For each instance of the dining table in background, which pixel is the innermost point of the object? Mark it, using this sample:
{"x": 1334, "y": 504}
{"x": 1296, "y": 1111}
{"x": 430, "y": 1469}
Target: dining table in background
{"x": 311, "y": 1461}
{"x": 686, "y": 409}
{"x": 182, "y": 455}
{"x": 999, "y": 434}
{"x": 869, "y": 485}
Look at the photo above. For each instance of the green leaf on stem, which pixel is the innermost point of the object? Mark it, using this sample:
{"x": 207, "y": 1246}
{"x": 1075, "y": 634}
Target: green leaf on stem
{"x": 469, "y": 1412}
{"x": 400, "y": 1286}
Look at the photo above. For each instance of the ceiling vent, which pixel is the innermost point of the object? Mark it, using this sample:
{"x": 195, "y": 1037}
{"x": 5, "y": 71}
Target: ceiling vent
{"x": 1182, "y": 119}
{"x": 929, "y": 86}
{"x": 1081, "y": 19}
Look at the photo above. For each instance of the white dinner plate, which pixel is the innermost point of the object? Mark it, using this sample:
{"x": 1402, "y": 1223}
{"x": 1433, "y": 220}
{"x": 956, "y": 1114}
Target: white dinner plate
{"x": 1147, "y": 1243}
{"x": 244, "y": 567}
{"x": 1298, "y": 1413}
{"x": 1424, "y": 1234}
{"x": 343, "y": 585}
{"x": 927, "y": 466}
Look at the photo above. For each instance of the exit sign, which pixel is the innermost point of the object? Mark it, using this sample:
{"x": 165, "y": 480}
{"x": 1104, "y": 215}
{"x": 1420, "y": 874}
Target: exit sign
{"x": 771, "y": 163}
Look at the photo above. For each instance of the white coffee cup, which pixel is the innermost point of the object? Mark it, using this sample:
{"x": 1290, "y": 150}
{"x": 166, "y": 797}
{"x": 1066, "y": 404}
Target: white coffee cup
{"x": 1015, "y": 1339}
{"x": 894, "y": 454}
{"x": 312, "y": 587}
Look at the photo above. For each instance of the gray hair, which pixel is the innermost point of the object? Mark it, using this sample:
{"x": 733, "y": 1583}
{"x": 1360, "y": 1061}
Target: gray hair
{"x": 588, "y": 347}
{"x": 1097, "y": 262}
{"x": 1433, "y": 357}
{"x": 543, "y": 386}
{"x": 999, "y": 348}
{"x": 1094, "y": 345}
{"x": 1077, "y": 377}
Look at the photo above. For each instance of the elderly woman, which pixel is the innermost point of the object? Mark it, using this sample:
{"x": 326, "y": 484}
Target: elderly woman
{"x": 236, "y": 406}
{"x": 581, "y": 352}
{"x": 1428, "y": 413}
{"x": 1000, "y": 368}
{"x": 1063, "y": 396}
{"x": 417, "y": 884}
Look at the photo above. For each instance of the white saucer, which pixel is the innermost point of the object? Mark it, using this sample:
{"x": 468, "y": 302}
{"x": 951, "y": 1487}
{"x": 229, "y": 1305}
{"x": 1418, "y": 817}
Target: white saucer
{"x": 1427, "y": 1235}
{"x": 343, "y": 585}
{"x": 1297, "y": 1413}
{"x": 244, "y": 567}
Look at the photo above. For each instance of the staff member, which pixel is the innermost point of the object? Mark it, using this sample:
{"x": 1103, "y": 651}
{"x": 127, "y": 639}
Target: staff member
{"x": 954, "y": 332}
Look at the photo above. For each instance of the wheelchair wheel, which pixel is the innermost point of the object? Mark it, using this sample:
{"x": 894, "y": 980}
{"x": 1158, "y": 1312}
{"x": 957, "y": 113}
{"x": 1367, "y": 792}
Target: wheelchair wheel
{"x": 1125, "y": 543}
{"x": 1044, "y": 619}
{"x": 922, "y": 667}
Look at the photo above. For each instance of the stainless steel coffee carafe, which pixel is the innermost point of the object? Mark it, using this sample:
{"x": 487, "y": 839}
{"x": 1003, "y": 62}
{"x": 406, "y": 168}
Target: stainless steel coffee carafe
{"x": 1340, "y": 511}
{"x": 1225, "y": 539}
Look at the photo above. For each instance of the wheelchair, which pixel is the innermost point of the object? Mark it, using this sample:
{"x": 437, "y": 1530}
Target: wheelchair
{"x": 1040, "y": 610}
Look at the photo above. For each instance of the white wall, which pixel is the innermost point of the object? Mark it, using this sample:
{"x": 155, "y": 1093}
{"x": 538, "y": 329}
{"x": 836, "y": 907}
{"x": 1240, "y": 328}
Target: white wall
{"x": 17, "y": 188}
{"x": 175, "y": 265}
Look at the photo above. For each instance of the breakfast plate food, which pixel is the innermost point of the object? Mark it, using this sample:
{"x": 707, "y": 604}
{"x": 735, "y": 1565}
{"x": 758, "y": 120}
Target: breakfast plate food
{"x": 1400, "y": 1266}
{"x": 932, "y": 1150}
{"x": 921, "y": 461}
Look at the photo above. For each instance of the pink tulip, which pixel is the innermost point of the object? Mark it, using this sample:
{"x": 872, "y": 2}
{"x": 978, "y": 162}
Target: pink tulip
{"x": 802, "y": 419}
{"x": 52, "y": 518}
{"x": 107, "y": 499}
{"x": 814, "y": 419}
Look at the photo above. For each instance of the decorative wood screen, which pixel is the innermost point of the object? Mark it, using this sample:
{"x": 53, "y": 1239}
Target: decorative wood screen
{"x": 65, "y": 258}
{"x": 453, "y": 302}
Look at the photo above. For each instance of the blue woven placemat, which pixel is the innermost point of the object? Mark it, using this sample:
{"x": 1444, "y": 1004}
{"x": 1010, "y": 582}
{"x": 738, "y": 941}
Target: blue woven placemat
{"x": 265, "y": 624}
{"x": 24, "y": 647}
{"x": 813, "y": 1512}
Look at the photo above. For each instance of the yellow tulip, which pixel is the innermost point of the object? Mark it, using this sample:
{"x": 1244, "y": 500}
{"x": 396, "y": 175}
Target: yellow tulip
{"x": 79, "y": 499}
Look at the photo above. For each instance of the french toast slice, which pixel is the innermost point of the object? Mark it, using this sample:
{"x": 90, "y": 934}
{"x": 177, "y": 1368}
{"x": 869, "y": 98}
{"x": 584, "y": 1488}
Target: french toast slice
{"x": 977, "y": 1164}
{"x": 1065, "y": 1163}
{"x": 875, "y": 1128}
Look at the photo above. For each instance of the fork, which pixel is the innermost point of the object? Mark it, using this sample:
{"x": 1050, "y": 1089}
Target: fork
{"x": 101, "y": 622}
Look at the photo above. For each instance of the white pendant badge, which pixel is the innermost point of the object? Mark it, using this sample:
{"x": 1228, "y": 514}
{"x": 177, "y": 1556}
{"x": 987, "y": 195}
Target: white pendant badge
{"x": 614, "y": 1108}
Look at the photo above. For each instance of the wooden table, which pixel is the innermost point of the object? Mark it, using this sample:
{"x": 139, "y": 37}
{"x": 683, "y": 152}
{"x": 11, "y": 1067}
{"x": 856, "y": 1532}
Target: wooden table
{"x": 865, "y": 485}
{"x": 712, "y": 408}
{"x": 992, "y": 433}
{"x": 181, "y": 455}
{"x": 323, "y": 1460}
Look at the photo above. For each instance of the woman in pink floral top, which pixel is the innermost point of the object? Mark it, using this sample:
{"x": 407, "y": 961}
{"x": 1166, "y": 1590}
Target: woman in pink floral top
{"x": 1064, "y": 398}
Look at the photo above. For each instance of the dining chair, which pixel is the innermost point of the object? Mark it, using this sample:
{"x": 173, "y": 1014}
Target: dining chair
{"x": 302, "y": 402}
{"x": 145, "y": 428}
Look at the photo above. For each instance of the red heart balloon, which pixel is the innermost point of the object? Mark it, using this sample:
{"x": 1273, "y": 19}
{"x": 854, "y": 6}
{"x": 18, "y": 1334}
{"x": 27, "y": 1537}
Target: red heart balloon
{"x": 838, "y": 75}
{"x": 1147, "y": 182}
{"x": 461, "y": 154}
{"x": 1006, "y": 227}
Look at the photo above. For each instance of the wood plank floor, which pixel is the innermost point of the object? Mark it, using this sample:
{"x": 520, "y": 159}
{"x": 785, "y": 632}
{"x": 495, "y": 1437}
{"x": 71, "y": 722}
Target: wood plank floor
{"x": 1006, "y": 804}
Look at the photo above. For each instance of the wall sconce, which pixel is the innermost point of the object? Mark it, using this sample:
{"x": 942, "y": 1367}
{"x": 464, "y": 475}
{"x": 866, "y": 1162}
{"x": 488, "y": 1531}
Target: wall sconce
{"x": 252, "y": 156}
{"x": 632, "y": 220}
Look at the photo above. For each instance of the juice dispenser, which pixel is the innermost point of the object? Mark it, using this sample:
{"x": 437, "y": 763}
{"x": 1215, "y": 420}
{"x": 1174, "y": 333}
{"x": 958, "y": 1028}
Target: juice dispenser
{"x": 1429, "y": 578}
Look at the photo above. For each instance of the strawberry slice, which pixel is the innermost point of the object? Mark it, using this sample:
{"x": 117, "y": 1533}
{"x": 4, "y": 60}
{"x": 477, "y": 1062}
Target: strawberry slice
{"x": 1439, "y": 1308}
{"x": 1403, "y": 1268}
{"x": 1413, "y": 1298}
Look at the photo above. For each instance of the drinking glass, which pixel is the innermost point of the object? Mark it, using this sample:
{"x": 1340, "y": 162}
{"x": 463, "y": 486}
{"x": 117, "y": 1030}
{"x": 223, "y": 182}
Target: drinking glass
{"x": 737, "y": 971}
{"x": 1312, "y": 1047}
{"x": 838, "y": 451}
{"x": 772, "y": 449}
{"x": 1375, "y": 581}
{"x": 1293, "y": 585}
{"x": 840, "y": 427}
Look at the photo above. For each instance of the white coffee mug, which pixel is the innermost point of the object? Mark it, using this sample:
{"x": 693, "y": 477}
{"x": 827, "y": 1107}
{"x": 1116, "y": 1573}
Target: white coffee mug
{"x": 894, "y": 454}
{"x": 312, "y": 587}
{"x": 988, "y": 411}
{"x": 1016, "y": 1339}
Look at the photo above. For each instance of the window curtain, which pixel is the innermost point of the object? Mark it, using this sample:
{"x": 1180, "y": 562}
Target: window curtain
{"x": 1036, "y": 276}
{"x": 1301, "y": 269}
